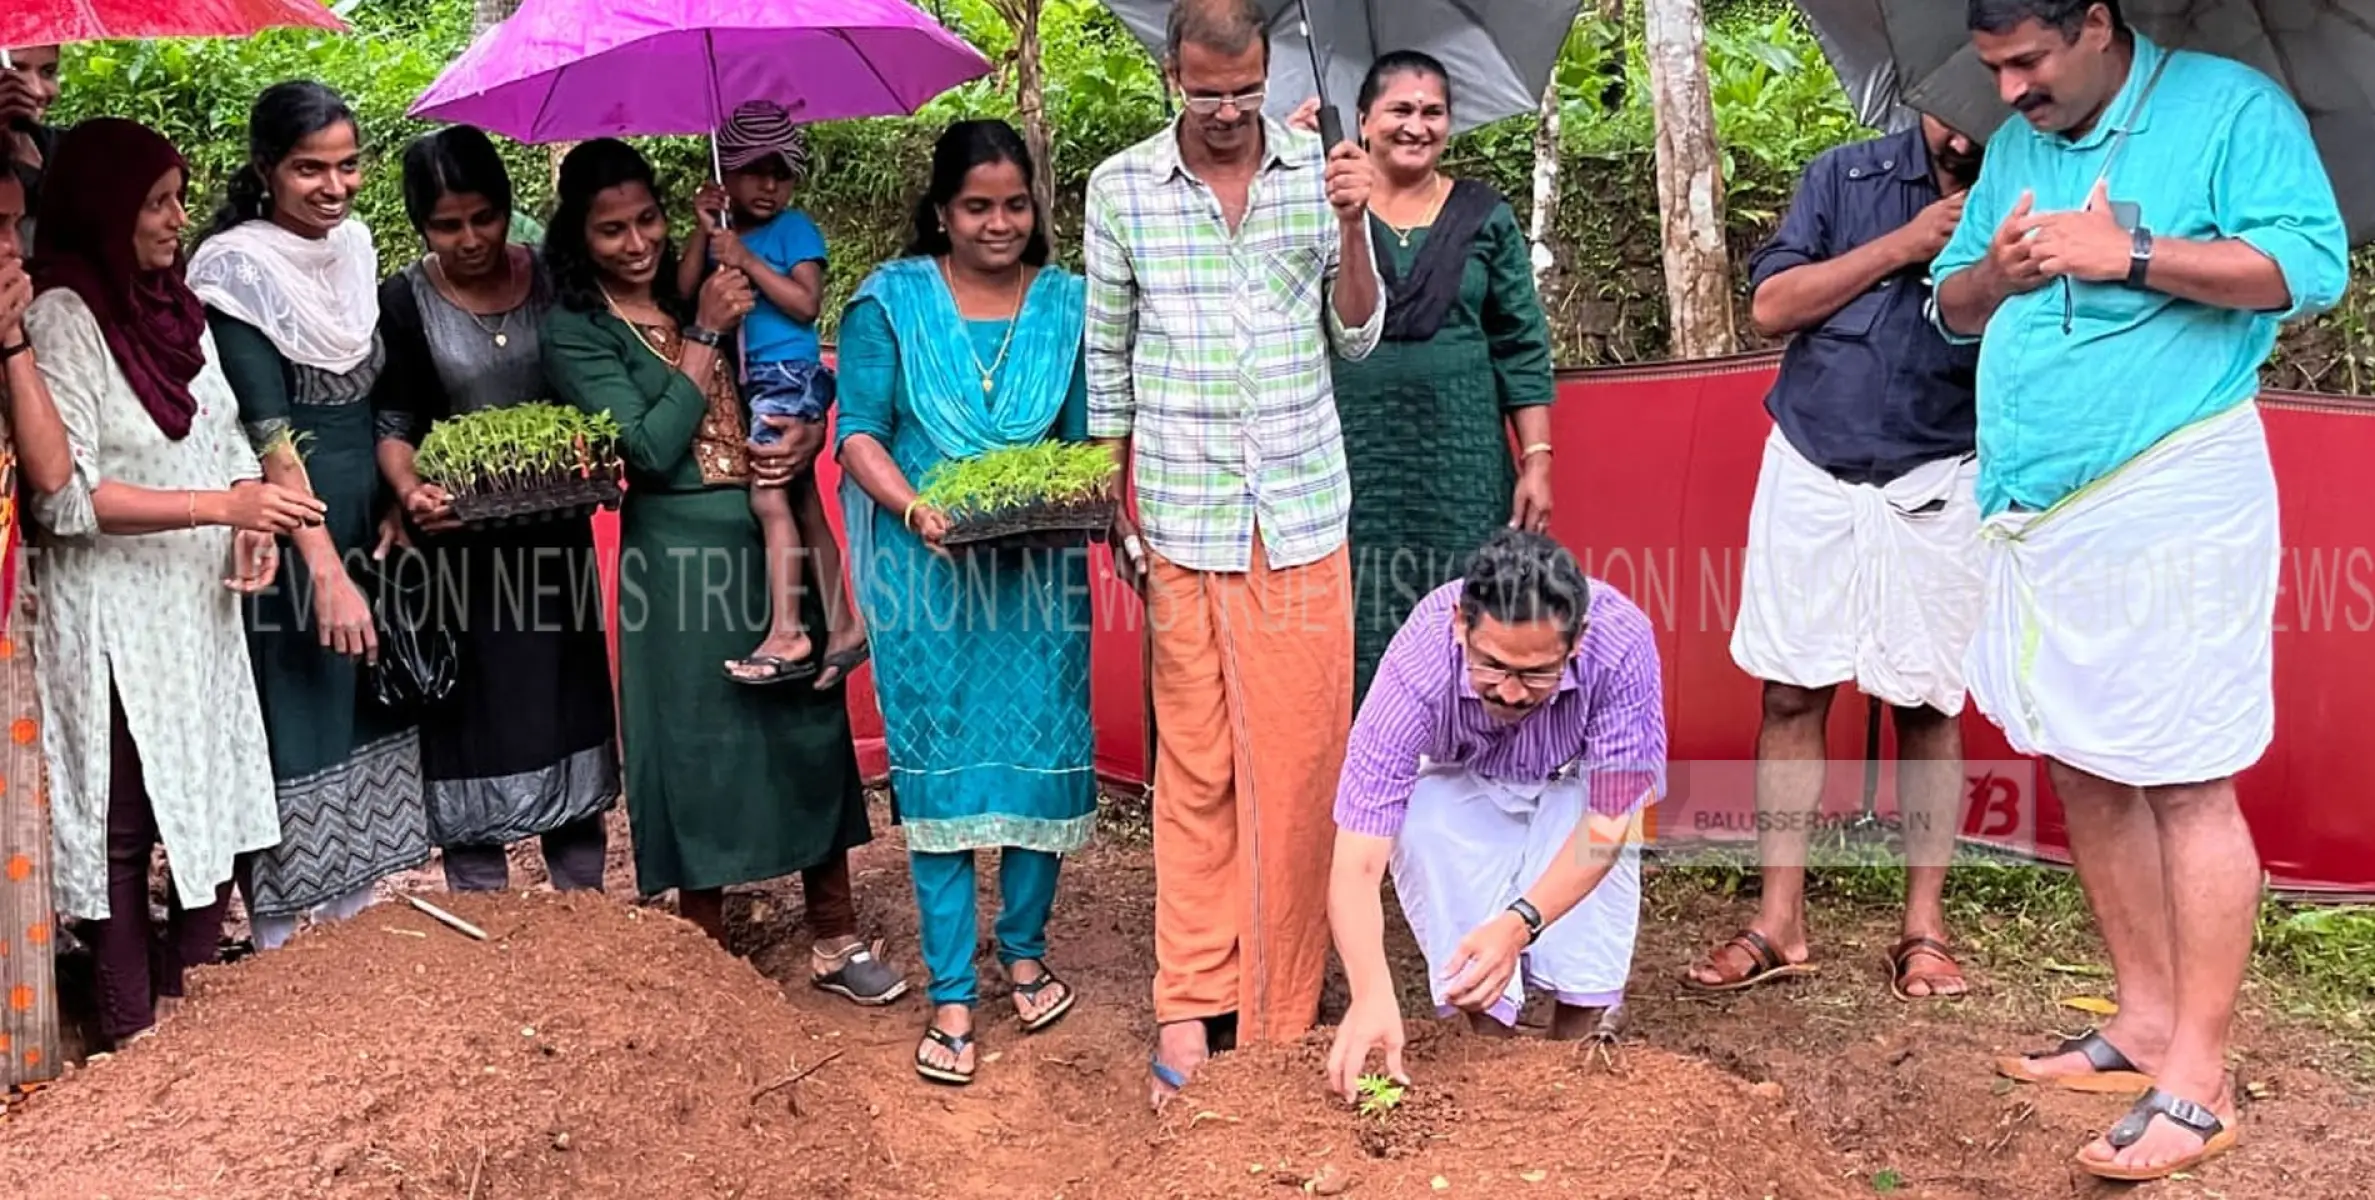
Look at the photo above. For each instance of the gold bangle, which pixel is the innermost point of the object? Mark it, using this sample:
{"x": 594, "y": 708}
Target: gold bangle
{"x": 193, "y": 508}
{"x": 908, "y": 518}
{"x": 1536, "y": 448}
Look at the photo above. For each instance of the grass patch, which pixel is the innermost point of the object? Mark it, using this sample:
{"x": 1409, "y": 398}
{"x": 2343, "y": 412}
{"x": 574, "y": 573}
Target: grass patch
{"x": 1049, "y": 474}
{"x": 2312, "y": 965}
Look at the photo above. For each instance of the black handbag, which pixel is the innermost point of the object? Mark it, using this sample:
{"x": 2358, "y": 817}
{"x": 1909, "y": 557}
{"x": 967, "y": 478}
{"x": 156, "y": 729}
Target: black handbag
{"x": 419, "y": 662}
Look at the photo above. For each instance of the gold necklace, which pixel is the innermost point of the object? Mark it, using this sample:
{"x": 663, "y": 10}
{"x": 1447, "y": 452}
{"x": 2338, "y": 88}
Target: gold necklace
{"x": 642, "y": 332}
{"x": 989, "y": 382}
{"x": 453, "y": 294}
{"x": 1403, "y": 234}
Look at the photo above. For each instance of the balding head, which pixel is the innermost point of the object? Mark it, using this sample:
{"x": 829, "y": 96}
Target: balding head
{"x": 1226, "y": 27}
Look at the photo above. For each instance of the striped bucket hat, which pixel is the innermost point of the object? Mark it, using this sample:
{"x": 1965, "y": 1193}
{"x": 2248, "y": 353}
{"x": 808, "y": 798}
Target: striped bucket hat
{"x": 760, "y": 129}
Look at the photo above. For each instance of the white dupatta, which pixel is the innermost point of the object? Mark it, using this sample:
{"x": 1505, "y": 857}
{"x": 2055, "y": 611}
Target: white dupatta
{"x": 315, "y": 299}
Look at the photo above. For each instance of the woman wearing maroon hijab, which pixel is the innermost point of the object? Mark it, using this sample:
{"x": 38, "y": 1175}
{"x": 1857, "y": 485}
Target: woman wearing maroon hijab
{"x": 153, "y": 731}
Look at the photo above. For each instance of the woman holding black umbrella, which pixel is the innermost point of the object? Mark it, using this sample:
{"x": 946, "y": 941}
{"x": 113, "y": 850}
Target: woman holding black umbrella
{"x": 1465, "y": 363}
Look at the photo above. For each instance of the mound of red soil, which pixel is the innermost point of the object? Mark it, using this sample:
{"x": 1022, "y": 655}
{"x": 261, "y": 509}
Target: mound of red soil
{"x": 1486, "y": 1118}
{"x": 588, "y": 1049}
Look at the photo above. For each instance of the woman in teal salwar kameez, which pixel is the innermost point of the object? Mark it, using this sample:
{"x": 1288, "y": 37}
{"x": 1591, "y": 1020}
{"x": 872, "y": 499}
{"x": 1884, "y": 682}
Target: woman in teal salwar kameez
{"x": 969, "y": 344}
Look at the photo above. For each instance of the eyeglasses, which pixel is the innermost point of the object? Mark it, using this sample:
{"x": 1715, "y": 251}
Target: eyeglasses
{"x": 1492, "y": 677}
{"x": 1244, "y": 102}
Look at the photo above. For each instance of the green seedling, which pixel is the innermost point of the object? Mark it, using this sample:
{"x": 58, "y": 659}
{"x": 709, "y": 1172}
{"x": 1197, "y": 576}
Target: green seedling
{"x": 1046, "y": 475}
{"x": 1380, "y": 1095}
{"x": 523, "y": 449}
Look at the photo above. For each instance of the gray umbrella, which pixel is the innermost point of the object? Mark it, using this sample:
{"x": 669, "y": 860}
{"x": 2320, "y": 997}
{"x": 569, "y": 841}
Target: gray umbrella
{"x": 1500, "y": 53}
{"x": 1918, "y": 53}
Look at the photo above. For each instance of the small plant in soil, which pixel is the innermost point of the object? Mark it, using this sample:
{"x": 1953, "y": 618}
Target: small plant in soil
{"x": 1024, "y": 489}
{"x": 1380, "y": 1095}
{"x": 521, "y": 460}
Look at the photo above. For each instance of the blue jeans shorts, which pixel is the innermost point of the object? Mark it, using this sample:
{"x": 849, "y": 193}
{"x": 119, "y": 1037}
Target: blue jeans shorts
{"x": 801, "y": 390}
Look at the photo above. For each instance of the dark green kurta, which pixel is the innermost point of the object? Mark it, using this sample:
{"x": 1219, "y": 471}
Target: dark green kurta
{"x": 726, "y": 783}
{"x": 1426, "y": 435}
{"x": 347, "y": 771}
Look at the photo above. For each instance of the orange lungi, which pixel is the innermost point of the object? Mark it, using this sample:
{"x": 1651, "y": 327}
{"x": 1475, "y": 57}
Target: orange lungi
{"x": 1253, "y": 701}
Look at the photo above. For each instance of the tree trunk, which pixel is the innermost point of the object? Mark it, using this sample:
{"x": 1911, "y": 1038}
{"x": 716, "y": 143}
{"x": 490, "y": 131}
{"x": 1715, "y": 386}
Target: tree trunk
{"x": 1546, "y": 187}
{"x": 1030, "y": 101}
{"x": 1690, "y": 181}
{"x": 486, "y": 14}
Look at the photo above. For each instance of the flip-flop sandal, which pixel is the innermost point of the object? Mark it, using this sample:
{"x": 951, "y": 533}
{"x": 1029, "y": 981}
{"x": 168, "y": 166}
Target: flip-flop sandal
{"x": 777, "y": 670}
{"x": 1765, "y": 966}
{"x": 844, "y": 662}
{"x": 1169, "y": 1076}
{"x": 1902, "y": 957}
{"x": 955, "y": 1044}
{"x": 2112, "y": 1073}
{"x": 2217, "y": 1137}
{"x": 1030, "y": 993}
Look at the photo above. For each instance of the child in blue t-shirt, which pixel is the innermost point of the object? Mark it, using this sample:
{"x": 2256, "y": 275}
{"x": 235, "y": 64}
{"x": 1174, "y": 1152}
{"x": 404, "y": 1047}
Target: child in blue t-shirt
{"x": 763, "y": 155}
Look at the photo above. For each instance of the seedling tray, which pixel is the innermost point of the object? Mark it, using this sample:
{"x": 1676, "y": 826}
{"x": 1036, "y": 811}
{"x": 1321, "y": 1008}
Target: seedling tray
{"x": 1032, "y": 525}
{"x": 577, "y": 498}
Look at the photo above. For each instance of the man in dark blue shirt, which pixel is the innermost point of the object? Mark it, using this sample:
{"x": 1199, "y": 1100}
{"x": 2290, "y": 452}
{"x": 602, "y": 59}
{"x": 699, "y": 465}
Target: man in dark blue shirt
{"x": 1863, "y": 563}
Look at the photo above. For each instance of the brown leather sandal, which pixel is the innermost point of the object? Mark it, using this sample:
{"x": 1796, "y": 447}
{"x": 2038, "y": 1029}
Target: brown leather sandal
{"x": 1765, "y": 965}
{"x": 1900, "y": 961}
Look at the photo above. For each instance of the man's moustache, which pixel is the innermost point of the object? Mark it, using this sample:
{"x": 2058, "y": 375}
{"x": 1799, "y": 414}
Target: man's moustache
{"x": 2033, "y": 101}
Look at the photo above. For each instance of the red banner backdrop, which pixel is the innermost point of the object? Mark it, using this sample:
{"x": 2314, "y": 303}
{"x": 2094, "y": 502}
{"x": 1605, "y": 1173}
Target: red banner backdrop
{"x": 1657, "y": 466}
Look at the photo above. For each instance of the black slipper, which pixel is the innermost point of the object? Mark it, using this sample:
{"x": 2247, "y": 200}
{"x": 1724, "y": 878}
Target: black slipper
{"x": 776, "y": 670}
{"x": 955, "y": 1044}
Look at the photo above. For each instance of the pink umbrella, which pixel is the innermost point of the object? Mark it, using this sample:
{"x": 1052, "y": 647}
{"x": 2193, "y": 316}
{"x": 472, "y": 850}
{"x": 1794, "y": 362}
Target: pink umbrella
{"x": 569, "y": 70}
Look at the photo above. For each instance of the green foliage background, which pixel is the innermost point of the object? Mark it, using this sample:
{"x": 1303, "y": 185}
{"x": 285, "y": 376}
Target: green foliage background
{"x": 1777, "y": 106}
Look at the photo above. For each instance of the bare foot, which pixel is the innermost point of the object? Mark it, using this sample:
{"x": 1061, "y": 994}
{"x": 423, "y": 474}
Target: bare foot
{"x": 1180, "y": 1048}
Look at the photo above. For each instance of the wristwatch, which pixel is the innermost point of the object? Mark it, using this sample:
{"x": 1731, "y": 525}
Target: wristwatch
{"x": 707, "y": 337}
{"x": 1529, "y": 914}
{"x": 2139, "y": 256}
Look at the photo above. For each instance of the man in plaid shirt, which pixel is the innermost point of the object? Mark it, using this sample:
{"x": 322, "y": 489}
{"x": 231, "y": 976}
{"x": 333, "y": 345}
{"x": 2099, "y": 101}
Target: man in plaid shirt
{"x": 1225, "y": 256}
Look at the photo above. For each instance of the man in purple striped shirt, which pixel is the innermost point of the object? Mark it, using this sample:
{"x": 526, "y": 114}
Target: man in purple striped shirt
{"x": 1501, "y": 766}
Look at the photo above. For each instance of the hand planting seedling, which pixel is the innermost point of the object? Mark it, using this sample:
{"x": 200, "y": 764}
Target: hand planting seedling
{"x": 1049, "y": 486}
{"x": 1380, "y": 1095}
{"x": 527, "y": 460}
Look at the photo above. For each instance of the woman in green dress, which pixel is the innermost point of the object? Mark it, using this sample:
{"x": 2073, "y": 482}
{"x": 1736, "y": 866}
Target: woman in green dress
{"x": 1464, "y": 370}
{"x": 971, "y": 343}
{"x": 291, "y": 287}
{"x": 726, "y": 784}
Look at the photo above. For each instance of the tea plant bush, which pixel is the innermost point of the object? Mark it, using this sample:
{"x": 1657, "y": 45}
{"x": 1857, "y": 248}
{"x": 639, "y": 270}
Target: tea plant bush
{"x": 1776, "y": 104}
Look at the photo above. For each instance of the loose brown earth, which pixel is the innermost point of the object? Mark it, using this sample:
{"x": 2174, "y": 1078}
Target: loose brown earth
{"x": 599, "y": 1048}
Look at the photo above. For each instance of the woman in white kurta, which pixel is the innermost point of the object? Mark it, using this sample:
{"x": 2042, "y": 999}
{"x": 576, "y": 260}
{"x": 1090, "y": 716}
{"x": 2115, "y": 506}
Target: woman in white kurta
{"x": 154, "y": 732}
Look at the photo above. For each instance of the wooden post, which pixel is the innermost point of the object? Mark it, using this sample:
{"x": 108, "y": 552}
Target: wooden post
{"x": 1690, "y": 181}
{"x": 1030, "y": 101}
{"x": 29, "y": 1044}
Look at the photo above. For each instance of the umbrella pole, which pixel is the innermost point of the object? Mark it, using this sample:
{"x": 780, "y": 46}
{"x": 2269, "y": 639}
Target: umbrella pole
{"x": 1331, "y": 122}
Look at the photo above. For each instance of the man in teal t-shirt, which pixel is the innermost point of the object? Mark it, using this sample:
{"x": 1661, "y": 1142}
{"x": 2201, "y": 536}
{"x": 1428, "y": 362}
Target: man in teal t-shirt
{"x": 2129, "y": 252}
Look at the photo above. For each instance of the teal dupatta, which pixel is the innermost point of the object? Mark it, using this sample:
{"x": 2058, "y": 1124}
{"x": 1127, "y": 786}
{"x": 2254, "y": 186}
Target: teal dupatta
{"x": 939, "y": 375}
{"x": 937, "y": 362}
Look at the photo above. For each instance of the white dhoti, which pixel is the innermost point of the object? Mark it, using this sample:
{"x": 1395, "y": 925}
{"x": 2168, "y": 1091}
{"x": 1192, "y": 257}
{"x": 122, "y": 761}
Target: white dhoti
{"x": 1469, "y": 846}
{"x": 1845, "y": 582}
{"x": 2130, "y": 629}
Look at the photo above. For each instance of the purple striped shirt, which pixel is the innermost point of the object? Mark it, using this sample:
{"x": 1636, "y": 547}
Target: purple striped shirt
{"x": 1607, "y": 718}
